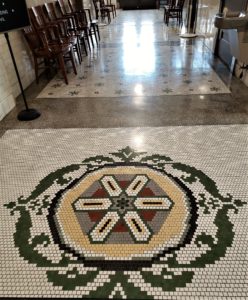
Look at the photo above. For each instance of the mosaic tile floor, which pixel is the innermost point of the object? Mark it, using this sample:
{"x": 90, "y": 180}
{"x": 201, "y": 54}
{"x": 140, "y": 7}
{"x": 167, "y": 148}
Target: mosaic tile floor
{"x": 151, "y": 213}
{"x": 141, "y": 56}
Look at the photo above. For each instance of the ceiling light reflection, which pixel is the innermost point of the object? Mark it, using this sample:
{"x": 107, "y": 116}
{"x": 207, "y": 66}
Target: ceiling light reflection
{"x": 138, "y": 89}
{"x": 203, "y": 88}
{"x": 138, "y": 50}
{"x": 138, "y": 140}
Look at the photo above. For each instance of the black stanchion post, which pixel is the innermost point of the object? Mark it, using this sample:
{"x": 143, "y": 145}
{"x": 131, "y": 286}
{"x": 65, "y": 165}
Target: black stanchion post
{"x": 27, "y": 114}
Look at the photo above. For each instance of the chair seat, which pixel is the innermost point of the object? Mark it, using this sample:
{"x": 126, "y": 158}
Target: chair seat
{"x": 107, "y": 9}
{"x": 55, "y": 49}
{"x": 176, "y": 8}
{"x": 94, "y": 22}
{"x": 77, "y": 33}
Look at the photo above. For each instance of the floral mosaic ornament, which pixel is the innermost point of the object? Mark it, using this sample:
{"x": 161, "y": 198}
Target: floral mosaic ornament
{"x": 122, "y": 203}
{"x": 125, "y": 227}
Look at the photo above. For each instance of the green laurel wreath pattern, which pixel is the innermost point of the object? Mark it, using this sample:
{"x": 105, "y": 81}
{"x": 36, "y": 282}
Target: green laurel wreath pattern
{"x": 38, "y": 204}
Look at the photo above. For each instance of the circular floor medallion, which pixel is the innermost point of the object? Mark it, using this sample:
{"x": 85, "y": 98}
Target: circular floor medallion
{"x": 132, "y": 218}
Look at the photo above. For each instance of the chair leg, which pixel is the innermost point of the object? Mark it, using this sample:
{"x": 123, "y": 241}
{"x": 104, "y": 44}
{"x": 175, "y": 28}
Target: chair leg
{"x": 98, "y": 32}
{"x": 84, "y": 45}
{"x": 102, "y": 16}
{"x": 79, "y": 51}
{"x": 47, "y": 68}
{"x": 167, "y": 18}
{"x": 181, "y": 17}
{"x": 109, "y": 17}
{"x": 95, "y": 34}
{"x": 62, "y": 67}
{"x": 73, "y": 61}
{"x": 87, "y": 41}
{"x": 91, "y": 39}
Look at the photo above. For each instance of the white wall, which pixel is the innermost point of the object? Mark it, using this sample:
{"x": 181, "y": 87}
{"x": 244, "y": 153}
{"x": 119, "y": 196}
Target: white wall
{"x": 9, "y": 88}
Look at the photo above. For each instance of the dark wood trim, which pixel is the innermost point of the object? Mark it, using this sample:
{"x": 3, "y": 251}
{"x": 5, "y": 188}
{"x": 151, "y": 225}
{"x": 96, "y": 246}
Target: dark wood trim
{"x": 79, "y": 4}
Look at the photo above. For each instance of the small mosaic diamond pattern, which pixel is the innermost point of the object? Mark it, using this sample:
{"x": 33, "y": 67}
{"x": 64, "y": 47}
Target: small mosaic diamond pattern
{"x": 119, "y": 81}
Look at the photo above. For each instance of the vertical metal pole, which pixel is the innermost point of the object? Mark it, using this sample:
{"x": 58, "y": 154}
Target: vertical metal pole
{"x": 192, "y": 12}
{"x": 27, "y": 114}
{"x": 193, "y": 16}
{"x": 16, "y": 69}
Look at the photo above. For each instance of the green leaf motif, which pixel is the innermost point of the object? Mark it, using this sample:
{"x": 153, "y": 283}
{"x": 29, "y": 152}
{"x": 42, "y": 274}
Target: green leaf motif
{"x": 70, "y": 284}
{"x": 207, "y": 182}
{"x": 204, "y": 239}
{"x": 217, "y": 250}
{"x": 169, "y": 285}
{"x": 94, "y": 163}
{"x": 49, "y": 180}
{"x": 27, "y": 249}
{"x": 127, "y": 154}
{"x": 156, "y": 160}
{"x": 130, "y": 290}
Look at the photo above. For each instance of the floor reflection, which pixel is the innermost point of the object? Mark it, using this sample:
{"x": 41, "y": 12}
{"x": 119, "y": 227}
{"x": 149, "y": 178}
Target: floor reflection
{"x": 138, "y": 49}
{"x": 140, "y": 56}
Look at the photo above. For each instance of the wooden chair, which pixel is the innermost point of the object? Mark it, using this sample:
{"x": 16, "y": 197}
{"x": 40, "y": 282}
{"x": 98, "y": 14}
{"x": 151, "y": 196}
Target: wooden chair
{"x": 52, "y": 15}
{"x": 41, "y": 19}
{"x": 81, "y": 23}
{"x": 92, "y": 24}
{"x": 111, "y": 6}
{"x": 44, "y": 49}
{"x": 174, "y": 9}
{"x": 101, "y": 10}
{"x": 41, "y": 61}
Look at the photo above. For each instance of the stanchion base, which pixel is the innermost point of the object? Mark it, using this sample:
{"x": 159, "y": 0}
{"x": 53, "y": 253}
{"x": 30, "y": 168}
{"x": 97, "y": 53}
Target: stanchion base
{"x": 188, "y": 35}
{"x": 28, "y": 115}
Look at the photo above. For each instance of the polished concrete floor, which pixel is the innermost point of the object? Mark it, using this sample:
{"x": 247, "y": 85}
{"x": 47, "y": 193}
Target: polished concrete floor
{"x": 142, "y": 74}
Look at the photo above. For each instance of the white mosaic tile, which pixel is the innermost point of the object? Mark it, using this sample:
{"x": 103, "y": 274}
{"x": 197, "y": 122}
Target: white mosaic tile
{"x": 205, "y": 259}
